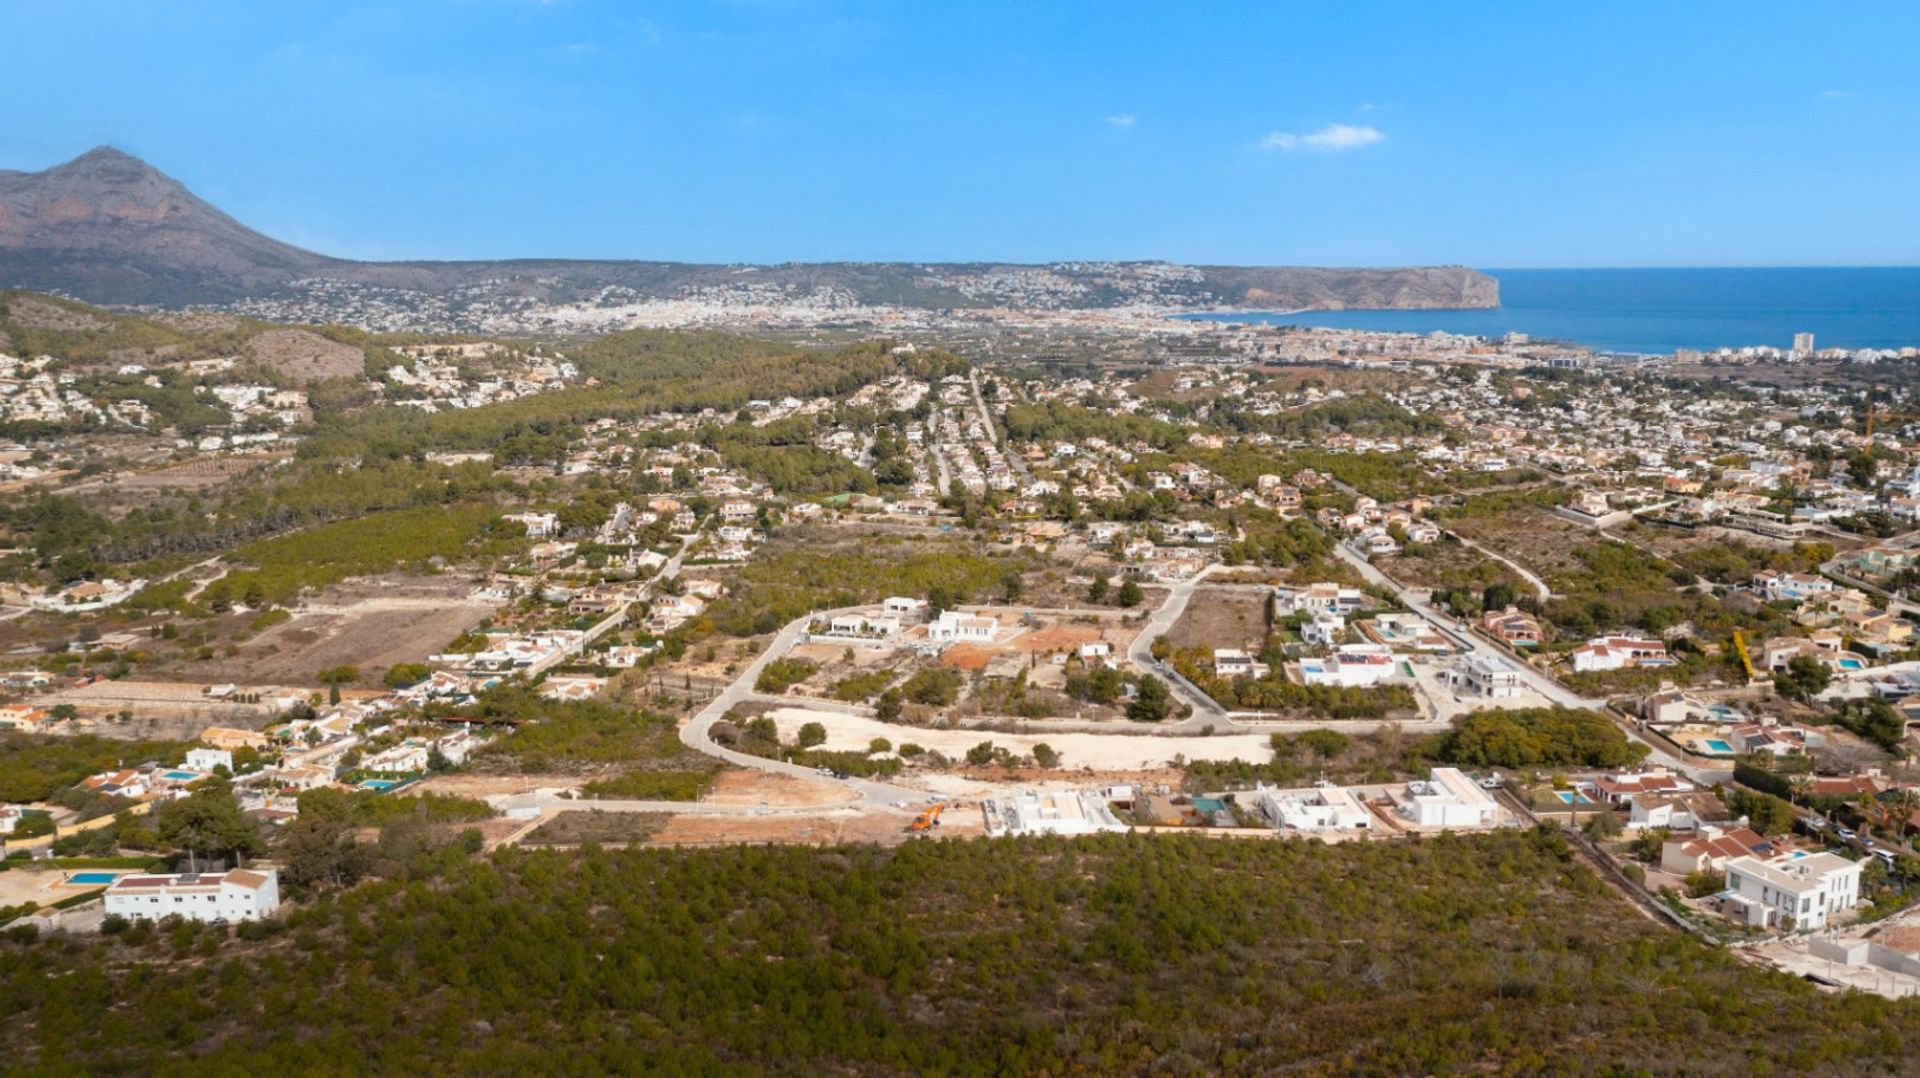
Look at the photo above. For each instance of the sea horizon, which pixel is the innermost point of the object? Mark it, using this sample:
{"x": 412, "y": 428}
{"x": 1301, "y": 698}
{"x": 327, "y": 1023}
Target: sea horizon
{"x": 1656, "y": 310}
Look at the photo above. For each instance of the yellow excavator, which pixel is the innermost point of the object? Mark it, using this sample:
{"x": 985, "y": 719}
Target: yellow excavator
{"x": 927, "y": 820}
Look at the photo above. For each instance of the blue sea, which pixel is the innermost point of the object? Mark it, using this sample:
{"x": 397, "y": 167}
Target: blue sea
{"x": 1658, "y": 310}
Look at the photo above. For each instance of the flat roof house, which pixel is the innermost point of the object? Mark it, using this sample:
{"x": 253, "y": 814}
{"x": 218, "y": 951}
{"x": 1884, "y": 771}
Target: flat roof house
{"x": 1449, "y": 798}
{"x": 1798, "y": 890}
{"x": 1324, "y": 808}
{"x": 1488, "y": 676}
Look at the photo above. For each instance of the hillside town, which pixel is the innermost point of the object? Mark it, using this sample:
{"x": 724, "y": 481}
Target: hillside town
{"x": 1308, "y": 585}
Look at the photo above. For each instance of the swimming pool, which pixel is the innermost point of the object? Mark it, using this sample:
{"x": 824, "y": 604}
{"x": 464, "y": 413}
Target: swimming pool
{"x": 93, "y": 877}
{"x": 1571, "y": 797}
{"x": 1721, "y": 747}
{"x": 182, "y": 776}
{"x": 381, "y": 785}
{"x": 1851, "y": 664}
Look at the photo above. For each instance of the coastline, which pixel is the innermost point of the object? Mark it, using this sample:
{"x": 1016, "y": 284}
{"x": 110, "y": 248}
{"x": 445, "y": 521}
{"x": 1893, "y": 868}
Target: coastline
{"x": 1659, "y": 311}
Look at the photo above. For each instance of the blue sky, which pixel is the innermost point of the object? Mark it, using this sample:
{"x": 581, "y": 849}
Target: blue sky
{"x": 1493, "y": 134}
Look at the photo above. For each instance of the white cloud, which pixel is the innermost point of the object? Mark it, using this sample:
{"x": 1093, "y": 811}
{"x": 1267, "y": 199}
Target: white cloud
{"x": 1121, "y": 119}
{"x": 1835, "y": 95}
{"x": 1332, "y": 138}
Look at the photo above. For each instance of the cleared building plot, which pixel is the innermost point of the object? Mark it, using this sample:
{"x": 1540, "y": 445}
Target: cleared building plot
{"x": 365, "y": 624}
{"x": 1222, "y": 618}
{"x": 172, "y": 708}
{"x": 1101, "y": 752}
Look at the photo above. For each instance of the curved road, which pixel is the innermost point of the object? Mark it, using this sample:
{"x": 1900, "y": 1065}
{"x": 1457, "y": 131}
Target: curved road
{"x": 1540, "y": 588}
{"x": 698, "y": 732}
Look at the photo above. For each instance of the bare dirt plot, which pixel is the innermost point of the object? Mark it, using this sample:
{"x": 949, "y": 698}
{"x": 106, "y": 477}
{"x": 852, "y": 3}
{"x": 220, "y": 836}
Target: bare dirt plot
{"x": 823, "y": 830}
{"x": 1101, "y": 752}
{"x": 355, "y": 626}
{"x": 575, "y": 827}
{"x": 481, "y": 787}
{"x": 1219, "y": 618}
{"x": 587, "y": 825}
{"x": 776, "y": 791}
{"x": 161, "y": 699}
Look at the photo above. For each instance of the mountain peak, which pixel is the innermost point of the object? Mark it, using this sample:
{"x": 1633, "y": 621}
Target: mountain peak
{"x": 108, "y": 161}
{"x": 111, "y": 227}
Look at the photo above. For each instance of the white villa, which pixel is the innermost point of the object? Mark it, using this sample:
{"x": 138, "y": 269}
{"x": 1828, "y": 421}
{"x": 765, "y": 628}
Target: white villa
{"x": 1323, "y": 808}
{"x": 953, "y": 627}
{"x": 1448, "y": 798}
{"x": 239, "y": 895}
{"x": 1800, "y": 889}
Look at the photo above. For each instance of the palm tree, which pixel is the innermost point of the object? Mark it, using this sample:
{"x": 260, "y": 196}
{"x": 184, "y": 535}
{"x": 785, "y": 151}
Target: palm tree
{"x": 1866, "y": 805}
{"x": 1800, "y": 788}
{"x": 1903, "y": 802}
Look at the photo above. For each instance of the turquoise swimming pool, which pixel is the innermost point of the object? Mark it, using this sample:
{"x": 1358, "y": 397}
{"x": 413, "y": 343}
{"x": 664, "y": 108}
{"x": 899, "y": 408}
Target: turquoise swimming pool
{"x": 182, "y": 776}
{"x": 1720, "y": 747}
{"x": 93, "y": 878}
{"x": 1572, "y": 797}
{"x": 381, "y": 785}
{"x": 1852, "y": 664}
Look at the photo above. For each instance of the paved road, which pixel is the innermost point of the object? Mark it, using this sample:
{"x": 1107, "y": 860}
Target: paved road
{"x": 938, "y": 452}
{"x": 993, "y": 431}
{"x": 1540, "y": 588}
{"x": 698, "y": 732}
{"x": 1535, "y": 678}
{"x": 1140, "y": 653}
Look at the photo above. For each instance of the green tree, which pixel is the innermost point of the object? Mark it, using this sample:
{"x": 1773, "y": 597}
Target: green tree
{"x": 1045, "y": 756}
{"x": 401, "y": 675}
{"x": 1804, "y": 678}
{"x": 1012, "y": 587}
{"x": 812, "y": 734}
{"x": 318, "y": 848}
{"x": 1130, "y": 594}
{"x": 1097, "y": 590}
{"x": 1150, "y": 701}
{"x": 209, "y": 822}
{"x": 1325, "y": 744}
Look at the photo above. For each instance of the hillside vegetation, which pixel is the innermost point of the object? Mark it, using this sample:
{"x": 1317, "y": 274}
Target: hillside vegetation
{"x": 1120, "y": 954}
